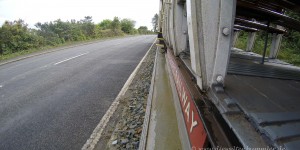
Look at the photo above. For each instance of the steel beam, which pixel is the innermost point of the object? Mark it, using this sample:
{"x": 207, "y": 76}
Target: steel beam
{"x": 275, "y": 45}
{"x": 171, "y": 24}
{"x": 250, "y": 42}
{"x": 165, "y": 20}
{"x": 210, "y": 28}
{"x": 244, "y": 28}
{"x": 180, "y": 29}
{"x": 257, "y": 25}
{"x": 251, "y": 10}
{"x": 266, "y": 44}
{"x": 235, "y": 37}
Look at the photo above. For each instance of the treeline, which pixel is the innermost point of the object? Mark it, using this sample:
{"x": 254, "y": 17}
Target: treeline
{"x": 16, "y": 36}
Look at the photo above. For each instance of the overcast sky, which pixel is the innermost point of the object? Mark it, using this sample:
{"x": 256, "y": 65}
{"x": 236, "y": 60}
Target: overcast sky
{"x": 33, "y": 11}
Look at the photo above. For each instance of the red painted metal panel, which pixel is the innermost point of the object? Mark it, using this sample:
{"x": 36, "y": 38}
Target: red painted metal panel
{"x": 194, "y": 126}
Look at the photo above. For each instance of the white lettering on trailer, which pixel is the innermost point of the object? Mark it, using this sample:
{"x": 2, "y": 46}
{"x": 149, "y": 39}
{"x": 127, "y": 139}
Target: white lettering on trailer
{"x": 185, "y": 102}
{"x": 194, "y": 126}
{"x": 187, "y": 111}
{"x": 194, "y": 122}
{"x": 184, "y": 97}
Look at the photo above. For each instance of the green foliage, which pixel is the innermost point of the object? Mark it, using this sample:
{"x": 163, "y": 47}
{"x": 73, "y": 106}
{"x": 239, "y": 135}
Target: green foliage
{"x": 115, "y": 24}
{"x": 134, "y": 31}
{"x": 143, "y": 30}
{"x": 15, "y": 36}
{"x": 17, "y": 39}
{"x": 110, "y": 33}
{"x": 88, "y": 27}
{"x": 105, "y": 24}
{"x": 127, "y": 25}
{"x": 289, "y": 49}
{"x": 241, "y": 43}
{"x": 155, "y": 23}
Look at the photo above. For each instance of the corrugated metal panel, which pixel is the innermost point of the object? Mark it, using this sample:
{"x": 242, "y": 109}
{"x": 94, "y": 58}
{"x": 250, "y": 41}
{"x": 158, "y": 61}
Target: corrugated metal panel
{"x": 279, "y": 127}
{"x": 269, "y": 95}
{"x": 275, "y": 118}
{"x": 250, "y": 68}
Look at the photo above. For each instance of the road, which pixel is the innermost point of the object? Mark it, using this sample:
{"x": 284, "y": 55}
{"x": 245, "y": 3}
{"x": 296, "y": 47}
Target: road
{"x": 55, "y": 100}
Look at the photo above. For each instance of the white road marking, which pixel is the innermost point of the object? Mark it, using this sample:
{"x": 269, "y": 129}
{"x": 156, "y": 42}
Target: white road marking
{"x": 70, "y": 58}
{"x": 45, "y": 66}
{"x": 1, "y": 86}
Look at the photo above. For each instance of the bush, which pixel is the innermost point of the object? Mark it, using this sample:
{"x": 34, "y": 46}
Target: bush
{"x": 16, "y": 36}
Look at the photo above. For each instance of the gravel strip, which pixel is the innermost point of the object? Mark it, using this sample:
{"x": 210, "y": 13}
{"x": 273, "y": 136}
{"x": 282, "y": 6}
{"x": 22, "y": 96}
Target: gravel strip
{"x": 129, "y": 128}
{"x": 124, "y": 129}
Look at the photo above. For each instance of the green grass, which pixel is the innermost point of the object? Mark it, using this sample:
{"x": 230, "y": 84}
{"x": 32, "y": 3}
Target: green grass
{"x": 241, "y": 43}
{"x": 289, "y": 55}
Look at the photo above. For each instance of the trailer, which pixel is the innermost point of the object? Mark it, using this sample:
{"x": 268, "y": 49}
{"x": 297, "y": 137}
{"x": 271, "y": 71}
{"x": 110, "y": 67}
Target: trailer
{"x": 228, "y": 97}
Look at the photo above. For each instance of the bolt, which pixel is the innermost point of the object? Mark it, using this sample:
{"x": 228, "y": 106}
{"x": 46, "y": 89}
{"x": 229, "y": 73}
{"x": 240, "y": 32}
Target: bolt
{"x": 219, "y": 79}
{"x": 226, "y": 31}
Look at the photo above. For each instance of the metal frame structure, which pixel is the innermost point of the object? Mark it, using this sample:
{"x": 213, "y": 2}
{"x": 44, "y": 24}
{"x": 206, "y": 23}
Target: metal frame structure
{"x": 205, "y": 31}
{"x": 210, "y": 29}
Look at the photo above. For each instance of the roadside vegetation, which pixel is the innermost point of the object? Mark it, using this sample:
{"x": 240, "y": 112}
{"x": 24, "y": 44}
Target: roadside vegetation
{"x": 16, "y": 38}
{"x": 289, "y": 48}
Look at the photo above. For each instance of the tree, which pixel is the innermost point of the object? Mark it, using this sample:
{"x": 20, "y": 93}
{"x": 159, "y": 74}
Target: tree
{"x": 155, "y": 23}
{"x": 15, "y": 36}
{"x": 105, "y": 24}
{"x": 127, "y": 25}
{"x": 87, "y": 19}
{"x": 143, "y": 30}
{"x": 88, "y": 27}
{"x": 115, "y": 24}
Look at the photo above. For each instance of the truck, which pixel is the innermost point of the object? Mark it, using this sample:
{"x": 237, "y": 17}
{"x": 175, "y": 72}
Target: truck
{"x": 229, "y": 97}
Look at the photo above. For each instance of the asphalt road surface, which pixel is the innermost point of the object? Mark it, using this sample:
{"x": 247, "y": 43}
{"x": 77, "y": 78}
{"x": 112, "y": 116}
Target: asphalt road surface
{"x": 55, "y": 100}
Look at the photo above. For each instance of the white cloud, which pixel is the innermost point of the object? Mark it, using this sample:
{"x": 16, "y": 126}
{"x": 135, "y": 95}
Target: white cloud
{"x": 33, "y": 11}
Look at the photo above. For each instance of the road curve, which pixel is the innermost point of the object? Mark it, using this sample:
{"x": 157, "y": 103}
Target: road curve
{"x": 55, "y": 100}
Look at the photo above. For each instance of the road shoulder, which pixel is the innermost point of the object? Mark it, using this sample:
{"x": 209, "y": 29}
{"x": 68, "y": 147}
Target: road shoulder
{"x": 131, "y": 99}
